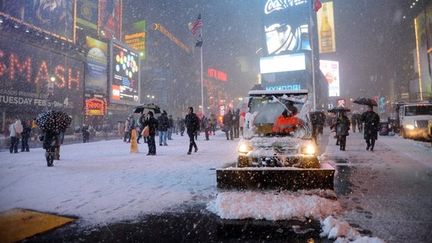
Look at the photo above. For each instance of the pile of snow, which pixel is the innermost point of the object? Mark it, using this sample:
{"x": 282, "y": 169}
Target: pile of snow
{"x": 341, "y": 231}
{"x": 270, "y": 205}
{"x": 301, "y": 205}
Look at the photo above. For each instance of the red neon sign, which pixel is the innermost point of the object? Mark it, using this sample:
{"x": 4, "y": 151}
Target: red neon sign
{"x": 11, "y": 66}
{"x": 217, "y": 74}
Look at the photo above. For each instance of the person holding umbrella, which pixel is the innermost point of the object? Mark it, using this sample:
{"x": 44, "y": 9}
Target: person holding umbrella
{"x": 52, "y": 123}
{"x": 371, "y": 126}
{"x": 371, "y": 121}
{"x": 152, "y": 124}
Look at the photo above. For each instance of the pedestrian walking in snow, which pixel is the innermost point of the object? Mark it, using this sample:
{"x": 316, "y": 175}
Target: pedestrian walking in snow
{"x": 354, "y": 121}
{"x": 152, "y": 125}
{"x": 192, "y": 125}
{"x": 227, "y": 125}
{"x": 371, "y": 122}
{"x": 163, "y": 124}
{"x": 25, "y": 136}
{"x": 170, "y": 127}
{"x": 182, "y": 126}
{"x": 342, "y": 128}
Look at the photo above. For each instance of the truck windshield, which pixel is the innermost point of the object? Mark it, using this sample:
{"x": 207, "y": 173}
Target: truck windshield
{"x": 268, "y": 109}
{"x": 418, "y": 110}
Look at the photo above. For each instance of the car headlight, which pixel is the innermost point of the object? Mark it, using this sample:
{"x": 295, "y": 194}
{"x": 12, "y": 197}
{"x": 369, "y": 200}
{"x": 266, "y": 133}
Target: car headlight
{"x": 409, "y": 127}
{"x": 308, "y": 149}
{"x": 244, "y": 148}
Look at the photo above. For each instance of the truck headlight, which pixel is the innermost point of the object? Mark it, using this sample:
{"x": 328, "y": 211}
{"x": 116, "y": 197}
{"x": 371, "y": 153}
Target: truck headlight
{"x": 308, "y": 149}
{"x": 409, "y": 127}
{"x": 244, "y": 148}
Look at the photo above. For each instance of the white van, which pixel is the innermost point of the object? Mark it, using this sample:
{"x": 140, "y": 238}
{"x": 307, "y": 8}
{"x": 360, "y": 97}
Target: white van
{"x": 414, "y": 119}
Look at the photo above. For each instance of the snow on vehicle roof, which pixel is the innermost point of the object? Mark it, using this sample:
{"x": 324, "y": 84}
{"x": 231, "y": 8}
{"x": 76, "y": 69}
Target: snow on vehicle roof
{"x": 277, "y": 92}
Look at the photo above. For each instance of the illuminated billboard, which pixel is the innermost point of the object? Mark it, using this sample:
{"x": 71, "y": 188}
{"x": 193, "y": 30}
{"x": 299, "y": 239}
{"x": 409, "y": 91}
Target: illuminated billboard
{"x": 34, "y": 79}
{"x": 286, "y": 26}
{"x": 87, "y": 14}
{"x": 330, "y": 69}
{"x": 125, "y": 75}
{"x": 326, "y": 28}
{"x": 283, "y": 63}
{"x": 110, "y": 18}
{"x": 96, "y": 79}
{"x": 55, "y": 17}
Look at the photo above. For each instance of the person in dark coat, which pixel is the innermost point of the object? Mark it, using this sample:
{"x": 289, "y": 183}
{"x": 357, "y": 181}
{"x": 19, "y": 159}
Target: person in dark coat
{"x": 227, "y": 123}
{"x": 163, "y": 125}
{"x": 181, "y": 126}
{"x": 371, "y": 122}
{"x": 354, "y": 121}
{"x": 85, "y": 133}
{"x": 51, "y": 143}
{"x": 153, "y": 125}
{"x": 170, "y": 127}
{"x": 192, "y": 125}
{"x": 236, "y": 123}
{"x": 25, "y": 135}
{"x": 342, "y": 129}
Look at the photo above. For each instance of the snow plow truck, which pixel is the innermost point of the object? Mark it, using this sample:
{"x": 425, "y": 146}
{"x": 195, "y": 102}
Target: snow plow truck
{"x": 271, "y": 159}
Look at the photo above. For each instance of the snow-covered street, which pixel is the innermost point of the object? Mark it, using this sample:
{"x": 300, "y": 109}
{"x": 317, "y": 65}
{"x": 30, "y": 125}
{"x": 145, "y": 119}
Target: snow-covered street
{"x": 384, "y": 194}
{"x": 102, "y": 181}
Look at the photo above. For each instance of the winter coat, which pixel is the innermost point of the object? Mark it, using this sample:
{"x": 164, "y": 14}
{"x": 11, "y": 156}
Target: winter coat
{"x": 153, "y": 125}
{"x": 163, "y": 123}
{"x": 342, "y": 126}
{"x": 227, "y": 119}
{"x": 170, "y": 123}
{"x": 18, "y": 127}
{"x": 371, "y": 124}
{"x": 26, "y": 131}
{"x": 126, "y": 125}
{"x": 12, "y": 132}
{"x": 192, "y": 122}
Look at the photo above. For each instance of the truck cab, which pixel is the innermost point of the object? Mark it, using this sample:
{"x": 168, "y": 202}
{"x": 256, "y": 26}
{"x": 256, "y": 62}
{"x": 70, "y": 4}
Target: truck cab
{"x": 262, "y": 146}
{"x": 414, "y": 119}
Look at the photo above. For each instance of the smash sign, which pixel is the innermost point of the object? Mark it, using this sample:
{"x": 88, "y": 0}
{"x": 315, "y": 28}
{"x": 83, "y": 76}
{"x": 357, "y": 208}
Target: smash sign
{"x": 29, "y": 73}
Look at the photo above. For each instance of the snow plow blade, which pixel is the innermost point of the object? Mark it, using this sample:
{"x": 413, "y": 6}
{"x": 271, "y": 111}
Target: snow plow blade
{"x": 276, "y": 178}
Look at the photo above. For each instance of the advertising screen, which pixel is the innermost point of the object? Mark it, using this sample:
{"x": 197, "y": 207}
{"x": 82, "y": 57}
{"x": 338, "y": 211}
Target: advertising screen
{"x": 56, "y": 17}
{"x": 125, "y": 79}
{"x": 283, "y": 63}
{"x": 286, "y": 26}
{"x": 326, "y": 28}
{"x": 110, "y": 18}
{"x": 96, "y": 67}
{"x": 330, "y": 69}
{"x": 87, "y": 14}
{"x": 36, "y": 79}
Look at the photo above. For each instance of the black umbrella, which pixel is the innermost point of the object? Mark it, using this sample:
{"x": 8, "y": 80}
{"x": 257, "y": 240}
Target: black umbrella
{"x": 151, "y": 106}
{"x": 53, "y": 121}
{"x": 339, "y": 109}
{"x": 365, "y": 101}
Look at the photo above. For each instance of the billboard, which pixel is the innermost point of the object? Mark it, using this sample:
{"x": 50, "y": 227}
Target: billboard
{"x": 36, "y": 79}
{"x": 125, "y": 75}
{"x": 330, "y": 69}
{"x": 96, "y": 79}
{"x": 326, "y": 28}
{"x": 286, "y": 26}
{"x": 87, "y": 14}
{"x": 110, "y": 19}
{"x": 55, "y": 17}
{"x": 283, "y": 63}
